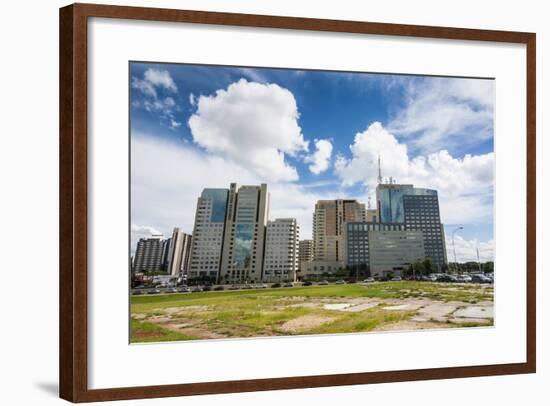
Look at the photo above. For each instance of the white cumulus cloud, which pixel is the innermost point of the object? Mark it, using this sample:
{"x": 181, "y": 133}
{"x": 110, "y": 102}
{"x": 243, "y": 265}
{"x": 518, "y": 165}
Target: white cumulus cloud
{"x": 320, "y": 159}
{"x": 169, "y": 176}
{"x": 466, "y": 250}
{"x": 465, "y": 185}
{"x": 252, "y": 124}
{"x": 141, "y": 231}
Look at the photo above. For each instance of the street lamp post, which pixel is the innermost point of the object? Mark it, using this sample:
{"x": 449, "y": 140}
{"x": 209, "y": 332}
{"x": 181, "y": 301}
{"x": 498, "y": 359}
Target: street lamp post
{"x": 454, "y": 250}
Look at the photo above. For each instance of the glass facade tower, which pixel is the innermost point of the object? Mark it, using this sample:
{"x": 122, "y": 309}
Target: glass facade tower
{"x": 417, "y": 209}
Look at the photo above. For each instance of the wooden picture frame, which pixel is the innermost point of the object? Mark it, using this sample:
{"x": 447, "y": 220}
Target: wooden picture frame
{"x": 74, "y": 201}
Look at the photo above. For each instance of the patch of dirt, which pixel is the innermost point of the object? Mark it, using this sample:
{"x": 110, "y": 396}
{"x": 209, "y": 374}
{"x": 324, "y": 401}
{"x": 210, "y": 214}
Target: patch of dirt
{"x": 183, "y": 309}
{"x": 159, "y": 319}
{"x": 305, "y": 304}
{"x": 146, "y": 334}
{"x": 139, "y": 316}
{"x": 409, "y": 325}
{"x": 305, "y": 322}
{"x": 193, "y": 330}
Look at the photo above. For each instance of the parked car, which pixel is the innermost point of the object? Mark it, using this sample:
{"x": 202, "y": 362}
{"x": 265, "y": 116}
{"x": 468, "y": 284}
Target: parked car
{"x": 307, "y": 283}
{"x": 206, "y": 288}
{"x": 288, "y": 285}
{"x": 340, "y": 282}
{"x": 446, "y": 278}
{"x": 396, "y": 279}
{"x": 464, "y": 278}
{"x": 263, "y": 286}
{"x": 276, "y": 285}
{"x": 153, "y": 291}
{"x": 137, "y": 292}
{"x": 323, "y": 283}
{"x": 196, "y": 289}
{"x": 368, "y": 280}
{"x": 480, "y": 278}
{"x": 171, "y": 290}
{"x": 184, "y": 289}
{"x": 247, "y": 287}
{"x": 234, "y": 287}
{"x": 219, "y": 287}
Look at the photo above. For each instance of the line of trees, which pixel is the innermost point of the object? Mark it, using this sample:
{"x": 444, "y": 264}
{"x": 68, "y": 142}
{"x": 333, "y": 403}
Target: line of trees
{"x": 426, "y": 267}
{"x": 472, "y": 266}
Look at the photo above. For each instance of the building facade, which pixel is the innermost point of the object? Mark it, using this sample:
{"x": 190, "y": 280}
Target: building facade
{"x": 328, "y": 222}
{"x": 148, "y": 256}
{"x": 357, "y": 245}
{"x": 208, "y": 234}
{"x": 422, "y": 213}
{"x": 281, "y": 250}
{"x": 372, "y": 216}
{"x": 418, "y": 209}
{"x": 317, "y": 270}
{"x": 179, "y": 252}
{"x": 392, "y": 251}
{"x": 244, "y": 238}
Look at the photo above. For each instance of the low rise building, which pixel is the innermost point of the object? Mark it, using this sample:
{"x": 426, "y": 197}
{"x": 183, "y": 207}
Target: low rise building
{"x": 392, "y": 251}
{"x": 318, "y": 270}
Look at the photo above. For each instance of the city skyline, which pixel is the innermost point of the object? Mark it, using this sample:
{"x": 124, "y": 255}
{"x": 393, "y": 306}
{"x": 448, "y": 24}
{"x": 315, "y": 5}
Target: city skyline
{"x": 312, "y": 149}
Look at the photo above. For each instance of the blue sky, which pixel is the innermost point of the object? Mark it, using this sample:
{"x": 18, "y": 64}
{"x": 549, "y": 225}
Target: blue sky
{"x": 317, "y": 135}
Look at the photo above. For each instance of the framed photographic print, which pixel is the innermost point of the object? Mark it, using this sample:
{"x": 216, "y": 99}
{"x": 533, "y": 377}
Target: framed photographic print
{"x": 256, "y": 202}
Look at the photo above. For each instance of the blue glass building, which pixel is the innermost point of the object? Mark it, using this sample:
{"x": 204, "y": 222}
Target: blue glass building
{"x": 417, "y": 209}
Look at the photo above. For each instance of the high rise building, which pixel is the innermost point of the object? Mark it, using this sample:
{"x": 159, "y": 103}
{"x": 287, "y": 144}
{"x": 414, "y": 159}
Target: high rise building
{"x": 422, "y": 213}
{"x": 148, "y": 256}
{"x": 305, "y": 251}
{"x": 418, "y": 209}
{"x": 281, "y": 250}
{"x": 179, "y": 252}
{"x": 389, "y": 197}
{"x": 305, "y": 254}
{"x": 208, "y": 234}
{"x": 328, "y": 221}
{"x": 244, "y": 237}
{"x": 165, "y": 252}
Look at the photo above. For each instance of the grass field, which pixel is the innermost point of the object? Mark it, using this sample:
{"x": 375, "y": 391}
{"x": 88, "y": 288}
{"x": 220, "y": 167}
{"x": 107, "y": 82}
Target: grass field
{"x": 310, "y": 310}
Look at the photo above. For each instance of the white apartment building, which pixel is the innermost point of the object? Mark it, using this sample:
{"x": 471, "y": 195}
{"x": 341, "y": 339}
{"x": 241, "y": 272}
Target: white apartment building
{"x": 281, "y": 250}
{"x": 179, "y": 252}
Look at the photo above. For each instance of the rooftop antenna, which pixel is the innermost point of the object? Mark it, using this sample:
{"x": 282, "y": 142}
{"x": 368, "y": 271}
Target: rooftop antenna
{"x": 379, "y": 171}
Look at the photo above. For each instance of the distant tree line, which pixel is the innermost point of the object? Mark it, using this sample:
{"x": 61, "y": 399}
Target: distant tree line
{"x": 472, "y": 266}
